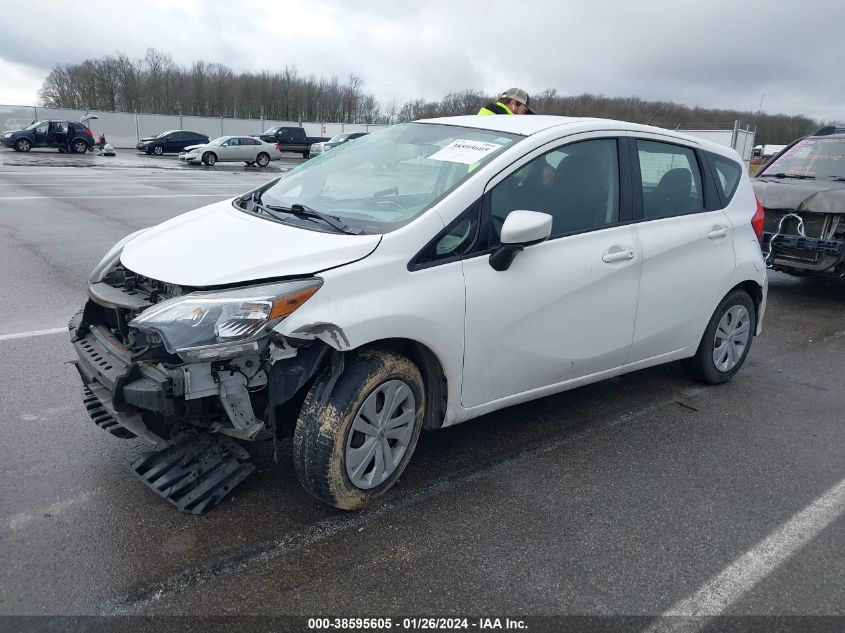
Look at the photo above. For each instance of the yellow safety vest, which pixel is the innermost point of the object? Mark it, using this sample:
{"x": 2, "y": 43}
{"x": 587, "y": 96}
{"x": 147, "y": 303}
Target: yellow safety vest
{"x": 495, "y": 108}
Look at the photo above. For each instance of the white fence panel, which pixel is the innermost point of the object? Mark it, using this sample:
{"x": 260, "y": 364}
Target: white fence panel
{"x": 722, "y": 137}
{"x": 119, "y": 128}
{"x": 242, "y": 127}
{"x": 210, "y": 126}
{"x": 16, "y": 117}
{"x": 152, "y": 124}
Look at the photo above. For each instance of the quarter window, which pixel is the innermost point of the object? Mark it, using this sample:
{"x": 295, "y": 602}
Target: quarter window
{"x": 671, "y": 179}
{"x": 727, "y": 175}
{"x": 577, "y": 184}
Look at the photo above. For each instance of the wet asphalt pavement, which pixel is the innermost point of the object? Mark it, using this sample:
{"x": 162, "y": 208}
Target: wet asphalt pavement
{"x": 620, "y": 498}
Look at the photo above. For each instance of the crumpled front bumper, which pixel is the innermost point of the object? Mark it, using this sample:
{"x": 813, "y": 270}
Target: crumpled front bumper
{"x": 124, "y": 389}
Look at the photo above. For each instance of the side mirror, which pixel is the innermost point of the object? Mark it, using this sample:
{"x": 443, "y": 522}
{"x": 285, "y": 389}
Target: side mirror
{"x": 520, "y": 229}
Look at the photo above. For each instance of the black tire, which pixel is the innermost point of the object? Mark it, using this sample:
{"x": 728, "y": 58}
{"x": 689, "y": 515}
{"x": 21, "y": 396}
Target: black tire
{"x": 250, "y": 163}
{"x": 324, "y": 424}
{"x": 702, "y": 367}
{"x": 23, "y": 145}
{"x": 304, "y": 154}
{"x": 209, "y": 158}
{"x": 263, "y": 159}
{"x": 158, "y": 150}
{"x": 79, "y": 146}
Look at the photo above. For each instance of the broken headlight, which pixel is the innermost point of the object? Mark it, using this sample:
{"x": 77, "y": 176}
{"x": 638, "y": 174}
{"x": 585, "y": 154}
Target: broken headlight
{"x": 111, "y": 259}
{"x": 203, "y": 326}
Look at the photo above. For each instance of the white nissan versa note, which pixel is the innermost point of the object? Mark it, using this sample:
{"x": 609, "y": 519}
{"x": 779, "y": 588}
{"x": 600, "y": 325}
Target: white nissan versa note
{"x": 421, "y": 276}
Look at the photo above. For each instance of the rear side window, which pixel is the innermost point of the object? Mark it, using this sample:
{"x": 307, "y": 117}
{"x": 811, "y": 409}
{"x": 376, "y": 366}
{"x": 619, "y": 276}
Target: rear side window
{"x": 727, "y": 174}
{"x": 671, "y": 179}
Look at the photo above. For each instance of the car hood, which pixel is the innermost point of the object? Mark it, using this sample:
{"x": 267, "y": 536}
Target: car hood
{"x": 800, "y": 195}
{"x": 147, "y": 139}
{"x": 190, "y": 147}
{"x": 219, "y": 245}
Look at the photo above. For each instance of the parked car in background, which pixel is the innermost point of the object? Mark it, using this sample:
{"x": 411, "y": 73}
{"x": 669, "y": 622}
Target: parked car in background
{"x": 170, "y": 142}
{"x": 289, "y": 139}
{"x": 427, "y": 274}
{"x": 53, "y": 133}
{"x": 802, "y": 190}
{"x": 248, "y": 149}
{"x": 337, "y": 139}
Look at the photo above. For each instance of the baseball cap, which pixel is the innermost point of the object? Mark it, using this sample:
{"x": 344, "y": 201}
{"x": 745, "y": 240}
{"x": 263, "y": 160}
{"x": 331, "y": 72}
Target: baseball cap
{"x": 518, "y": 95}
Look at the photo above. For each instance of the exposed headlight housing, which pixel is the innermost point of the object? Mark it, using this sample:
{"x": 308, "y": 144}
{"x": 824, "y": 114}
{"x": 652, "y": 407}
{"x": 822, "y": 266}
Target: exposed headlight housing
{"x": 211, "y": 325}
{"x": 111, "y": 259}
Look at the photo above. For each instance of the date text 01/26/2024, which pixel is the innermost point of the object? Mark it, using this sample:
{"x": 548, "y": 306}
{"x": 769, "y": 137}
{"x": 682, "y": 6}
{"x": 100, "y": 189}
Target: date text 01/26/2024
{"x": 415, "y": 624}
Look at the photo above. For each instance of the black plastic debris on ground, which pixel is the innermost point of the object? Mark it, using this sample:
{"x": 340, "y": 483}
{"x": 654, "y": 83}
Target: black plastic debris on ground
{"x": 196, "y": 473}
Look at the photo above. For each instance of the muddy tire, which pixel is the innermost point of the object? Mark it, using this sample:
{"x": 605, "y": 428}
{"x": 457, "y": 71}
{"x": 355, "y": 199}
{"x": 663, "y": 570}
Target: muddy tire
{"x": 351, "y": 446}
{"x": 726, "y": 341}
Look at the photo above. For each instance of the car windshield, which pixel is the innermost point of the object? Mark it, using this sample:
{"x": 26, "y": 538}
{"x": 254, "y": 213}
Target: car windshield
{"x": 338, "y": 138}
{"x": 272, "y": 130}
{"x": 220, "y": 140}
{"x": 818, "y": 158}
{"x": 34, "y": 125}
{"x": 163, "y": 134}
{"x": 384, "y": 180}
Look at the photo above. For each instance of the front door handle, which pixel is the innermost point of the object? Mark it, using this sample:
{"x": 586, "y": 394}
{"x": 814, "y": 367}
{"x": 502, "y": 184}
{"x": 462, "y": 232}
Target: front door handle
{"x": 717, "y": 232}
{"x": 617, "y": 256}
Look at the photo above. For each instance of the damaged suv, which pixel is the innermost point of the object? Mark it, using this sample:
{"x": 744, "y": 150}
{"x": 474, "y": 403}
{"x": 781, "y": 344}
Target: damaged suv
{"x": 802, "y": 190}
{"x": 423, "y": 275}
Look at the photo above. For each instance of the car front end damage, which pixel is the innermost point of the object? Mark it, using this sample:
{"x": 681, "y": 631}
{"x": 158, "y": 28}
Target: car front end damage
{"x": 192, "y": 372}
{"x": 804, "y": 232}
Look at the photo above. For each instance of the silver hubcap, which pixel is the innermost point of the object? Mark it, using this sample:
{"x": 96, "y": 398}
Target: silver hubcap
{"x": 158, "y": 151}
{"x": 732, "y": 337}
{"x": 380, "y": 434}
{"x": 24, "y": 145}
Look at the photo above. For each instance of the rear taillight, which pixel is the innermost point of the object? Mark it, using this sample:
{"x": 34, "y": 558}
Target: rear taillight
{"x": 89, "y": 132}
{"x": 278, "y": 149}
{"x": 758, "y": 221}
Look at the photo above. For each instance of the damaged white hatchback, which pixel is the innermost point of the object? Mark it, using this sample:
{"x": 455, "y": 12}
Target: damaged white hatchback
{"x": 424, "y": 275}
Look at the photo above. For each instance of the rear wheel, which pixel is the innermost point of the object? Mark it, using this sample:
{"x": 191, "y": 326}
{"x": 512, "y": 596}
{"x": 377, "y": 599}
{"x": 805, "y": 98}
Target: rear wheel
{"x": 263, "y": 159}
{"x": 79, "y": 146}
{"x": 304, "y": 154}
{"x": 726, "y": 341}
{"x": 350, "y": 447}
{"x": 23, "y": 145}
{"x": 209, "y": 158}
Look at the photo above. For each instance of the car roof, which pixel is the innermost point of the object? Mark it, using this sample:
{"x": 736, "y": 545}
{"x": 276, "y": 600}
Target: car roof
{"x": 527, "y": 125}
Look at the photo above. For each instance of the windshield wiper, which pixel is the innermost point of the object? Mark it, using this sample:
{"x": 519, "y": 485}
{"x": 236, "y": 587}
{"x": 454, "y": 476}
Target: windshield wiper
{"x": 798, "y": 176}
{"x": 304, "y": 211}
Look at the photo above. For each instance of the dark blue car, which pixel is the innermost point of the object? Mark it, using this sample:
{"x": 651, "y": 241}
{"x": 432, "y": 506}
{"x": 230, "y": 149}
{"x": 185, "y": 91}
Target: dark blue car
{"x": 74, "y": 136}
{"x": 171, "y": 142}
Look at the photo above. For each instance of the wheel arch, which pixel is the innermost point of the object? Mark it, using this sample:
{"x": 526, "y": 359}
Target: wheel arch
{"x": 434, "y": 377}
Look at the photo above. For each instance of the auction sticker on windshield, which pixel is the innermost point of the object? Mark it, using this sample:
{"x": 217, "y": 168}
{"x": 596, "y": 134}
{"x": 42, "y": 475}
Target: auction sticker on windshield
{"x": 466, "y": 152}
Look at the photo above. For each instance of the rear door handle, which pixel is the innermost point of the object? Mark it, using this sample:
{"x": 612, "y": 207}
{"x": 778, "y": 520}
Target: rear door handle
{"x": 617, "y": 256}
{"x": 717, "y": 232}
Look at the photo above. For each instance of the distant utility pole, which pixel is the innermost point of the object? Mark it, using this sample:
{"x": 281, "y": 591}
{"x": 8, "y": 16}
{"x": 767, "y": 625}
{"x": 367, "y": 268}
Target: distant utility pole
{"x": 759, "y": 109}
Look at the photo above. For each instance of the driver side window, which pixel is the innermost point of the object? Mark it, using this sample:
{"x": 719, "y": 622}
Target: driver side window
{"x": 577, "y": 184}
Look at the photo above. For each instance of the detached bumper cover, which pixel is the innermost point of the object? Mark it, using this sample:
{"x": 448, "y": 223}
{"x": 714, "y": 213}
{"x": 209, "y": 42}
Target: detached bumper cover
{"x": 123, "y": 389}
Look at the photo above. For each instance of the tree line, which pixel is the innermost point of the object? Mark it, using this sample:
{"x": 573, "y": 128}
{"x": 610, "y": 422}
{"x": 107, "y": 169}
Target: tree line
{"x": 157, "y": 84}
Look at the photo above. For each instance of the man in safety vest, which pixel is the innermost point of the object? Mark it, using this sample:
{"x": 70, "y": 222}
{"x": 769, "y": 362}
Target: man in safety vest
{"x": 513, "y": 101}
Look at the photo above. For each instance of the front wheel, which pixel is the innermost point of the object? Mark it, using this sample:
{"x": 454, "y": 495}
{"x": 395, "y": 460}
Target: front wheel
{"x": 23, "y": 145}
{"x": 726, "y": 341}
{"x": 209, "y": 158}
{"x": 158, "y": 150}
{"x": 263, "y": 159}
{"x": 350, "y": 447}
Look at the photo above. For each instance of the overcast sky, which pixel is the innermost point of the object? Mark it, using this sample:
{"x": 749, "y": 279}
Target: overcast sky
{"x": 710, "y": 53}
